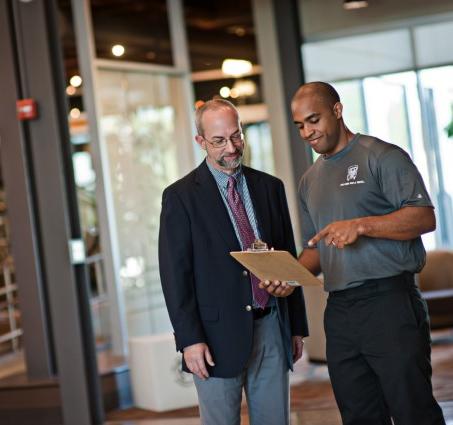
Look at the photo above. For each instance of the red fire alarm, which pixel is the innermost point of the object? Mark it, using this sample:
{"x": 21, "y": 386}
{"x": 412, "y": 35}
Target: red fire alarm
{"x": 27, "y": 109}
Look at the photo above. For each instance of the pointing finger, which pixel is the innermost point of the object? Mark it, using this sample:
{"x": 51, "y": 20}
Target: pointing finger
{"x": 315, "y": 239}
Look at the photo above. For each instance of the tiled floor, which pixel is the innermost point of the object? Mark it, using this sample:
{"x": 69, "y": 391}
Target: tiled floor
{"x": 314, "y": 417}
{"x": 312, "y": 401}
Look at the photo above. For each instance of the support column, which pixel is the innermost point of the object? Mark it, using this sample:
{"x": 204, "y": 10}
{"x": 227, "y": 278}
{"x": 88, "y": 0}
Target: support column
{"x": 279, "y": 49}
{"x": 53, "y": 204}
{"x": 37, "y": 337}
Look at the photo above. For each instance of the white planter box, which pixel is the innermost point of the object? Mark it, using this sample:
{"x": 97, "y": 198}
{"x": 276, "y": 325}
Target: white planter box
{"x": 157, "y": 380}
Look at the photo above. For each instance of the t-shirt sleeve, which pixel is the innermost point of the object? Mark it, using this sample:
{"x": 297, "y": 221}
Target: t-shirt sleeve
{"x": 401, "y": 182}
{"x": 308, "y": 228}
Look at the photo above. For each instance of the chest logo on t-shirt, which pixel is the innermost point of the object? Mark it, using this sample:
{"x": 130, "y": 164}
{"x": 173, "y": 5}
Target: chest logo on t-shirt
{"x": 351, "y": 176}
{"x": 352, "y": 172}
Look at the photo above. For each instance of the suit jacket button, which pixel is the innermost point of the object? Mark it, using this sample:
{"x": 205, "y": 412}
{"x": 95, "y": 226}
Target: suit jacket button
{"x": 248, "y": 308}
{"x": 245, "y": 273}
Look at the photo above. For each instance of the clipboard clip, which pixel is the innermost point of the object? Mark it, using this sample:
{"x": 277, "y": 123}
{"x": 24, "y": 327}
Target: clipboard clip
{"x": 258, "y": 246}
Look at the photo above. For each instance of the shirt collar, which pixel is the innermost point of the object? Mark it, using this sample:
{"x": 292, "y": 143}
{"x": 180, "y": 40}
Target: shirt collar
{"x": 222, "y": 178}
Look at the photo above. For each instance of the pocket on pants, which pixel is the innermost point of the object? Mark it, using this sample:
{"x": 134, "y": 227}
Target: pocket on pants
{"x": 418, "y": 309}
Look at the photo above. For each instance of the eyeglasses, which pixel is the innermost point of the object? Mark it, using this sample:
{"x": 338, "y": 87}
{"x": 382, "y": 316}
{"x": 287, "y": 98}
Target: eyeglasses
{"x": 221, "y": 142}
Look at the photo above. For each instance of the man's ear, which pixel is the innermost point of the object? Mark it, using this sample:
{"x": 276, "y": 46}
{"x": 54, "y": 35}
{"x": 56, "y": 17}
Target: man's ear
{"x": 200, "y": 140}
{"x": 338, "y": 110}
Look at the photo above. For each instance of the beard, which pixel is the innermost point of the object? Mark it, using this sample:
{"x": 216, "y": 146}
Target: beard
{"x": 230, "y": 165}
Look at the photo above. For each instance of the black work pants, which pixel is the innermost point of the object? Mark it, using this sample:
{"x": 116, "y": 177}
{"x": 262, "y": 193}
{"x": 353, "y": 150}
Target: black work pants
{"x": 378, "y": 354}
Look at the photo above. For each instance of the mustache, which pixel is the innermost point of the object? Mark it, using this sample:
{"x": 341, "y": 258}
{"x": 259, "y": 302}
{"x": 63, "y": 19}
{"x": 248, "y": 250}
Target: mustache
{"x": 240, "y": 152}
{"x": 231, "y": 163}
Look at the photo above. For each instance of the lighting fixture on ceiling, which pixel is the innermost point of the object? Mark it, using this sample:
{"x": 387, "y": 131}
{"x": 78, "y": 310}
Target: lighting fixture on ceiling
{"x": 244, "y": 88}
{"x": 236, "y": 67}
{"x": 354, "y": 4}
{"x": 75, "y": 81}
{"x": 118, "y": 50}
{"x": 225, "y": 92}
{"x": 70, "y": 90}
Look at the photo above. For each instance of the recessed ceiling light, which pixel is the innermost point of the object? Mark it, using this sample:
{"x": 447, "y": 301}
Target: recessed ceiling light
{"x": 70, "y": 90}
{"x": 75, "y": 81}
{"x": 225, "y": 92}
{"x": 75, "y": 113}
{"x": 118, "y": 50}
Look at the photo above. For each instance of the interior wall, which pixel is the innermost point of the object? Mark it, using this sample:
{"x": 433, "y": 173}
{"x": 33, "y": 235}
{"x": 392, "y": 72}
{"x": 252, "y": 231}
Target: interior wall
{"x": 327, "y": 18}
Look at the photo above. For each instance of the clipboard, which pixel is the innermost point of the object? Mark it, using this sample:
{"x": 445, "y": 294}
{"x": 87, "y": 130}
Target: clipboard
{"x": 275, "y": 265}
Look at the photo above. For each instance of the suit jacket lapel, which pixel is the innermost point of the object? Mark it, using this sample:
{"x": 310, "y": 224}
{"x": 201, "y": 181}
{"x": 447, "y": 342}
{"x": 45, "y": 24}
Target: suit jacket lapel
{"x": 214, "y": 207}
{"x": 259, "y": 196}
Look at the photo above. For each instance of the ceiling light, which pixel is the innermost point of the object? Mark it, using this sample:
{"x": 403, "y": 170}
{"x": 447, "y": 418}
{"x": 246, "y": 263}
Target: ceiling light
{"x": 236, "y": 67}
{"x": 75, "y": 81}
{"x": 118, "y": 50}
{"x": 245, "y": 88}
{"x": 75, "y": 113}
{"x": 225, "y": 92}
{"x": 354, "y": 4}
{"x": 234, "y": 93}
{"x": 70, "y": 90}
{"x": 238, "y": 30}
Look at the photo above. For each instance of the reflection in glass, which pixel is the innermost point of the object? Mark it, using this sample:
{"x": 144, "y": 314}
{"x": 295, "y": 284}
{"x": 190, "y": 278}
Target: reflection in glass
{"x": 135, "y": 31}
{"x": 351, "y": 96}
{"x": 437, "y": 97}
{"x": 258, "y": 149}
{"x": 10, "y": 323}
{"x": 138, "y": 120}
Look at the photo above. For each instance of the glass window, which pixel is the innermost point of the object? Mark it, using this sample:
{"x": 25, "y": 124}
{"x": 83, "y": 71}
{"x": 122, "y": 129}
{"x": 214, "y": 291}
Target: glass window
{"x": 217, "y": 30}
{"x": 138, "y": 122}
{"x": 437, "y": 98}
{"x": 351, "y": 96}
{"x": 10, "y": 327}
{"x": 258, "y": 148}
{"x": 357, "y": 56}
{"x": 136, "y": 31}
{"x": 433, "y": 44}
{"x": 386, "y": 107}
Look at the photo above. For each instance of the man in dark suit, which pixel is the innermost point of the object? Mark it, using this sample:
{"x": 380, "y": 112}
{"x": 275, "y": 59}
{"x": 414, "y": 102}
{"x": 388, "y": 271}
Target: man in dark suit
{"x": 233, "y": 334}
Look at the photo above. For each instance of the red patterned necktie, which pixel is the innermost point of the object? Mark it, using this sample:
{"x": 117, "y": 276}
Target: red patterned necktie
{"x": 247, "y": 236}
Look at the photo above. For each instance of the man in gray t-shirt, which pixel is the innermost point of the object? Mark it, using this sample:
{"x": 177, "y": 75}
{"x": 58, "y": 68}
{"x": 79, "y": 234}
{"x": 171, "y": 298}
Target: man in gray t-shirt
{"x": 364, "y": 208}
{"x": 367, "y": 178}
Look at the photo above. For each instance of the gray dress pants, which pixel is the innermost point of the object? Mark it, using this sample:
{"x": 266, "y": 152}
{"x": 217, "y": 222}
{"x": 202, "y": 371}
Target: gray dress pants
{"x": 265, "y": 383}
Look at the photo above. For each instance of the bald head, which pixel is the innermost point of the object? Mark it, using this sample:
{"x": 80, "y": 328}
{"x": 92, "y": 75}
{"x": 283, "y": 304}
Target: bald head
{"x": 211, "y": 106}
{"x": 318, "y": 90}
{"x": 318, "y": 114}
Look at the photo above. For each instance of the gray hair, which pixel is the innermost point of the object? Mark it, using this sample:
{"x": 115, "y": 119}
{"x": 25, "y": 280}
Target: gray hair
{"x": 211, "y": 105}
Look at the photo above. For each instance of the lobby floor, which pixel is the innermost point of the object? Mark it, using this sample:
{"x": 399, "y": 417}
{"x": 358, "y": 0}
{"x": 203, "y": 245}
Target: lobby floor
{"x": 312, "y": 400}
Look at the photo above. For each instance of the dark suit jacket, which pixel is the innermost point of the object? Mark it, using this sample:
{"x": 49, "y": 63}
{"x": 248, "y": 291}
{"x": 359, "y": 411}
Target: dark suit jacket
{"x": 205, "y": 289}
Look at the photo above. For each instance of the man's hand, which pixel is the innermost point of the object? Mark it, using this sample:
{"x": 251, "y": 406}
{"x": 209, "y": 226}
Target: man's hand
{"x": 339, "y": 233}
{"x": 401, "y": 225}
{"x": 298, "y": 348}
{"x": 195, "y": 356}
{"x": 277, "y": 288}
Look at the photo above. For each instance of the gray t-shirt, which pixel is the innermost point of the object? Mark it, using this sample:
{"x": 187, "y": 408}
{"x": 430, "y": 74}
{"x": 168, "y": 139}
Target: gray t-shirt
{"x": 368, "y": 177}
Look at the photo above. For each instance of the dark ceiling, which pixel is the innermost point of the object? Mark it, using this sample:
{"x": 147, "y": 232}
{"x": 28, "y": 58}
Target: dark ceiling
{"x": 215, "y": 30}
